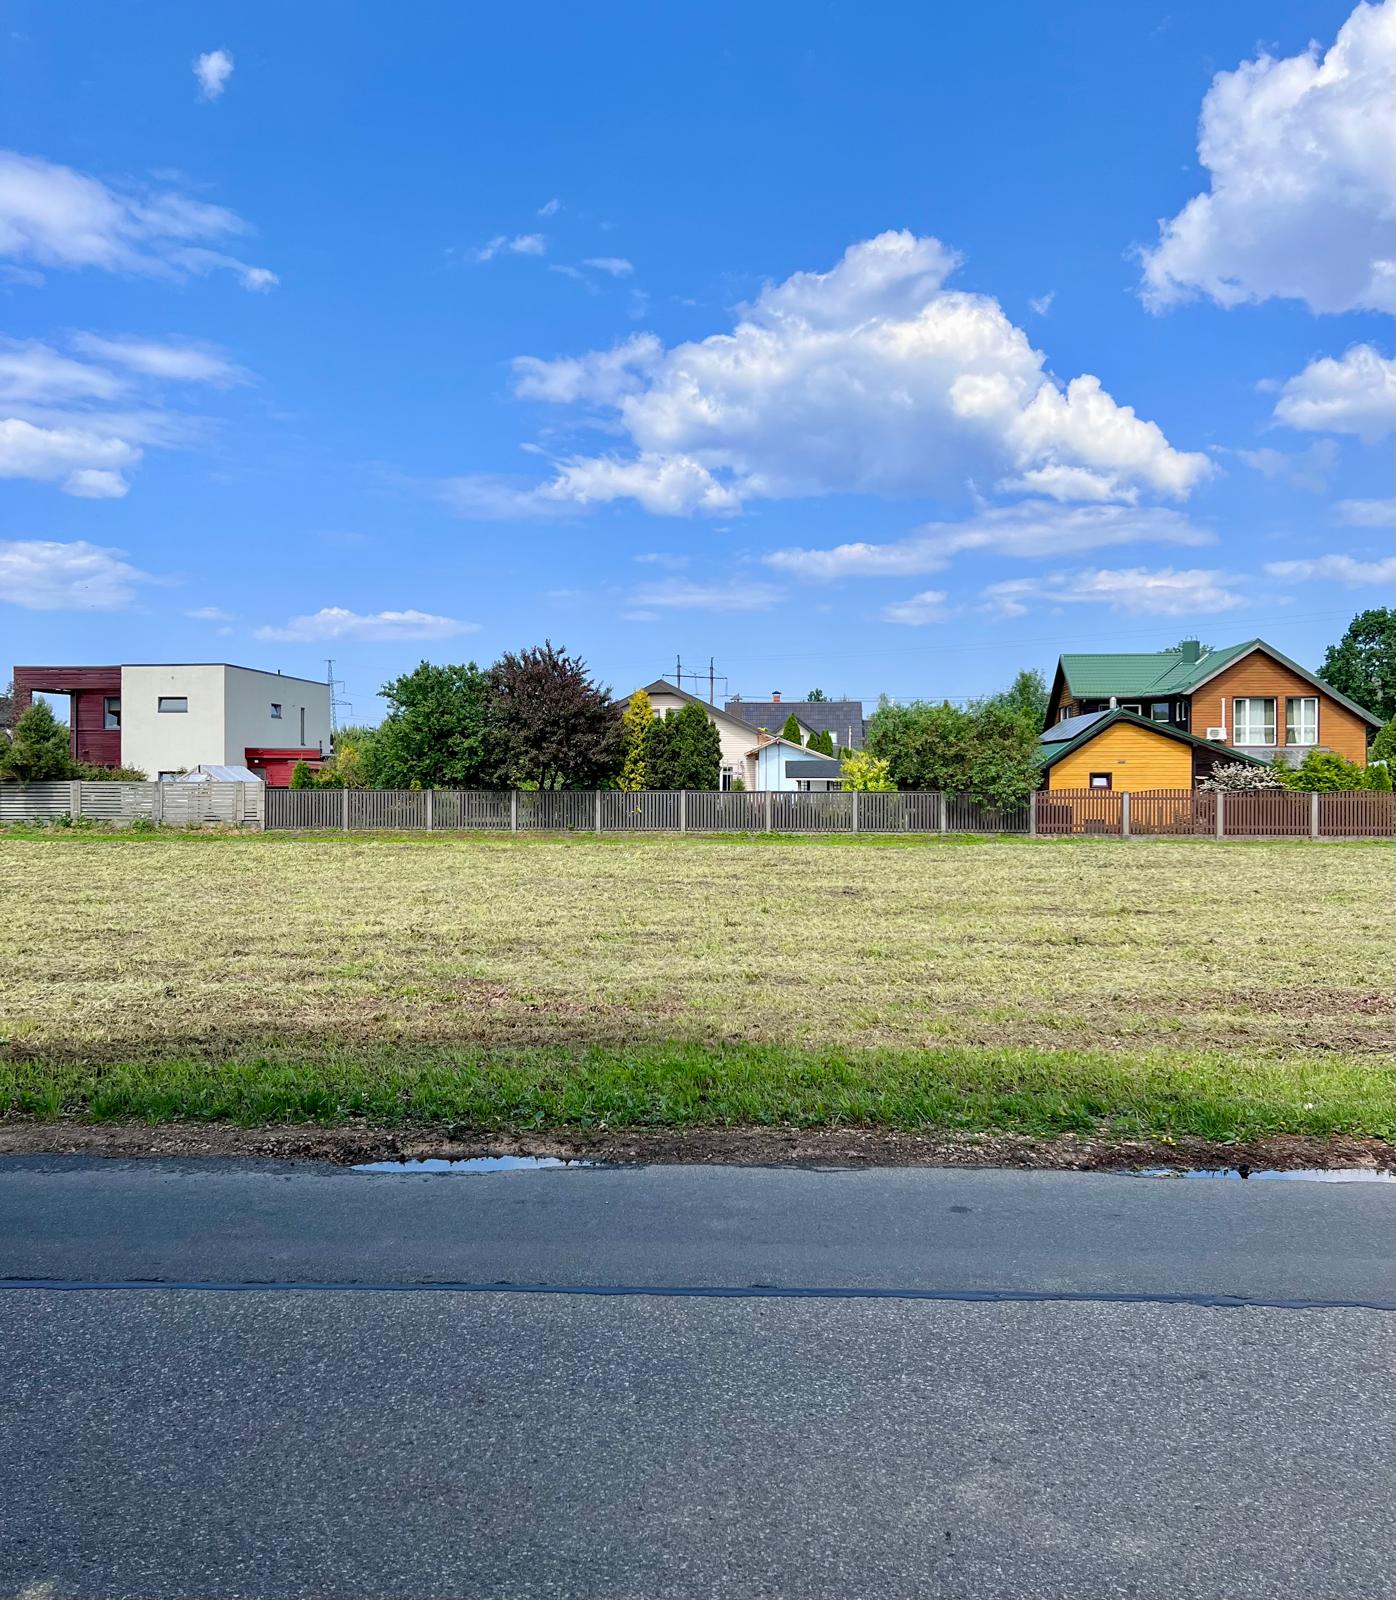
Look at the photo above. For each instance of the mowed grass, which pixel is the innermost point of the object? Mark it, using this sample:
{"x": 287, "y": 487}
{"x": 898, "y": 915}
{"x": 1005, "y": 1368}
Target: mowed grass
{"x": 1225, "y": 990}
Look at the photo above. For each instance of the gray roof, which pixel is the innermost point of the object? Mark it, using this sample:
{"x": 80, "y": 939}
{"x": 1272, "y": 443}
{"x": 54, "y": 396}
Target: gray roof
{"x": 814, "y": 767}
{"x": 1069, "y": 727}
{"x": 841, "y": 718}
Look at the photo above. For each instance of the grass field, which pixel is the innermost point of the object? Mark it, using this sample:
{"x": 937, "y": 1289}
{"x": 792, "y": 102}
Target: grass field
{"x": 1153, "y": 987}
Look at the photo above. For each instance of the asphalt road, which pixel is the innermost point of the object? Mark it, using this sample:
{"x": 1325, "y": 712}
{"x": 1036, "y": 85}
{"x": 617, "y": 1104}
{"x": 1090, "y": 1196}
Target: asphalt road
{"x": 691, "y": 1382}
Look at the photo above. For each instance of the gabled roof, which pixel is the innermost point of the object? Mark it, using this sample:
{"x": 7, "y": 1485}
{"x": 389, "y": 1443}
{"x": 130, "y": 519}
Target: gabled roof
{"x": 790, "y": 744}
{"x": 663, "y": 686}
{"x": 1069, "y": 727}
{"x": 1049, "y": 753}
{"x": 1168, "y": 672}
{"x": 842, "y": 718}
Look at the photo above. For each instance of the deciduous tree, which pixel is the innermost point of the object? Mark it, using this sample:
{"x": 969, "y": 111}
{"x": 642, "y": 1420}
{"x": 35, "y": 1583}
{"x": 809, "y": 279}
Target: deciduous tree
{"x": 436, "y": 733}
{"x": 551, "y": 723}
{"x": 865, "y": 773}
{"x": 1362, "y": 665}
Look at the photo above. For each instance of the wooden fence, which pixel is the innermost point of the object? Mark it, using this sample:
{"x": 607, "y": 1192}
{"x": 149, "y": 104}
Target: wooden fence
{"x": 179, "y": 805}
{"x": 1264, "y": 814}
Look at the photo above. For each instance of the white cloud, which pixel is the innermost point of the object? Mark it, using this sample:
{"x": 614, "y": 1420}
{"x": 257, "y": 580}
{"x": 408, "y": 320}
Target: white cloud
{"x": 1349, "y": 570}
{"x": 522, "y": 244}
{"x": 928, "y": 606}
{"x": 661, "y": 558}
{"x": 1137, "y": 591}
{"x": 213, "y": 69}
{"x": 1366, "y": 513}
{"x": 1303, "y": 185}
{"x": 31, "y": 372}
{"x": 1353, "y": 394}
{"x": 1041, "y": 304}
{"x": 209, "y": 614}
{"x": 334, "y": 622}
{"x": 667, "y": 485}
{"x": 47, "y": 575}
{"x": 550, "y": 208}
{"x": 495, "y": 497}
{"x": 1305, "y": 469}
{"x": 601, "y": 377}
{"x": 678, "y": 594}
{"x": 54, "y": 216}
{"x": 86, "y": 463}
{"x": 179, "y": 361}
{"x": 1032, "y": 528}
{"x": 872, "y": 377}
{"x": 617, "y": 266}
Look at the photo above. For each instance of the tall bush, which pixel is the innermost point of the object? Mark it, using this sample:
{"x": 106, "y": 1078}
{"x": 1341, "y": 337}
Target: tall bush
{"x": 1240, "y": 777}
{"x": 1324, "y": 771}
{"x": 38, "y": 752}
{"x": 791, "y": 729}
{"x": 866, "y": 773}
{"x": 639, "y": 714}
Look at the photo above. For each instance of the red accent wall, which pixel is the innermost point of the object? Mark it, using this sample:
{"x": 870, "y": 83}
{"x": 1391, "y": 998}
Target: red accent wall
{"x": 87, "y": 688}
{"x": 274, "y": 767}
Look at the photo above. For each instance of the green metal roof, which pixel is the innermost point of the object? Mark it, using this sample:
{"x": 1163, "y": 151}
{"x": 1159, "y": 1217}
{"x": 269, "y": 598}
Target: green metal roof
{"x": 1166, "y": 672}
{"x": 1049, "y": 754}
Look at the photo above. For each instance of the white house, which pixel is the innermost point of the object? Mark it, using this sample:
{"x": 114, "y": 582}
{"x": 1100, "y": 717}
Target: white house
{"x": 782, "y": 764}
{"x": 733, "y": 734}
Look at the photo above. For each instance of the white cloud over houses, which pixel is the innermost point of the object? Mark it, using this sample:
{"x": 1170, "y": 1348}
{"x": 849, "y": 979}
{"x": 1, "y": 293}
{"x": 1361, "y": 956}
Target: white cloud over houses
{"x": 1028, "y": 529}
{"x": 1352, "y": 571}
{"x": 1136, "y": 591}
{"x": 1353, "y": 393}
{"x": 1302, "y": 200}
{"x": 873, "y": 377}
{"x": 54, "y": 216}
{"x": 521, "y": 244}
{"x": 334, "y": 622}
{"x": 928, "y": 606}
{"x": 212, "y": 71}
{"x": 678, "y": 594}
{"x": 51, "y": 575}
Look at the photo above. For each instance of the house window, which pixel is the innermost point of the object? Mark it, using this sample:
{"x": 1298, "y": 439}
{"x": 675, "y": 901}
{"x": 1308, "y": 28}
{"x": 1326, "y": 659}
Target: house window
{"x": 1101, "y": 780}
{"x": 727, "y": 776}
{"x": 1180, "y": 713}
{"x": 172, "y": 702}
{"x": 111, "y": 711}
{"x": 1253, "y": 719}
{"x": 1159, "y": 711}
{"x": 302, "y": 727}
{"x": 1301, "y": 719}
{"x": 276, "y": 710}
{"x": 1138, "y": 710}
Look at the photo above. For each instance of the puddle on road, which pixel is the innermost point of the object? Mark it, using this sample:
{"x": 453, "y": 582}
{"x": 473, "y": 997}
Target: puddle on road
{"x": 1300, "y": 1174}
{"x": 476, "y": 1164}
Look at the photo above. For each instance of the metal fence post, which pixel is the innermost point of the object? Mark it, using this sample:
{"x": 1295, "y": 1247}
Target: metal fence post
{"x": 344, "y": 809}
{"x": 598, "y": 811}
{"x": 944, "y": 822}
{"x": 769, "y": 808}
{"x": 513, "y": 811}
{"x": 855, "y": 811}
{"x": 683, "y": 810}
{"x": 1032, "y": 814}
{"x": 1124, "y": 815}
{"x": 431, "y": 809}
{"x": 1221, "y": 813}
{"x": 1313, "y": 815}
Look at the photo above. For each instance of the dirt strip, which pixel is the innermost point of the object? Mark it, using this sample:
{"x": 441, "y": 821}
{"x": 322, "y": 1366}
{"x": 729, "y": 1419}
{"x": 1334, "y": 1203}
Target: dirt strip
{"x": 839, "y": 1147}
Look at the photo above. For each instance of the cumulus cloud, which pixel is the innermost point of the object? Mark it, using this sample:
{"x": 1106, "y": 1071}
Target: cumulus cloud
{"x": 522, "y": 244}
{"x": 54, "y": 216}
{"x": 334, "y": 622}
{"x": 1031, "y": 528}
{"x": 1349, "y": 570}
{"x": 212, "y": 70}
{"x": 872, "y": 377}
{"x": 82, "y": 461}
{"x": 49, "y": 575}
{"x": 928, "y": 606}
{"x": 678, "y": 594}
{"x": 1303, "y": 186}
{"x": 1355, "y": 393}
{"x": 1137, "y": 591}
{"x": 1366, "y": 513}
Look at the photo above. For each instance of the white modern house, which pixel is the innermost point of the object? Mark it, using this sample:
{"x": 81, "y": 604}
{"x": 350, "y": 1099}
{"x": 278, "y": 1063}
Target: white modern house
{"x": 167, "y": 718}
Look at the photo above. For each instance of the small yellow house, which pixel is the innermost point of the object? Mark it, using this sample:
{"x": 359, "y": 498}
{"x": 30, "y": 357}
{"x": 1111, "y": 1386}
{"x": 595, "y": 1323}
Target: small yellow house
{"x": 1118, "y": 750}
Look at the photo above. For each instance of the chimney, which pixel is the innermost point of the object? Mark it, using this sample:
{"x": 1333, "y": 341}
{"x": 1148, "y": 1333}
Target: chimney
{"x": 1191, "y": 649}
{"x": 775, "y": 697}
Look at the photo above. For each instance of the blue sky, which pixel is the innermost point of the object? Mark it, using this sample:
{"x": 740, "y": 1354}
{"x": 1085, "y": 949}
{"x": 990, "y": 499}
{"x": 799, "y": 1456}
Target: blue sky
{"x": 880, "y": 348}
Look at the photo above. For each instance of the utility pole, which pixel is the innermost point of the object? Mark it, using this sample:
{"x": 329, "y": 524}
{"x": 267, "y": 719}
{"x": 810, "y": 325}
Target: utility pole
{"x": 712, "y": 700}
{"x": 336, "y": 700}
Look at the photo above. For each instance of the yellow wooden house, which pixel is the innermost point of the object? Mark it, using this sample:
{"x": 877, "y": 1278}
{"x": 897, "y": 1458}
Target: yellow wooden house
{"x": 1122, "y": 751}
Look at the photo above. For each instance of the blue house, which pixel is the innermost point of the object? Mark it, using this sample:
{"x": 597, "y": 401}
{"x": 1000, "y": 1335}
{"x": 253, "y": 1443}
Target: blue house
{"x": 782, "y": 764}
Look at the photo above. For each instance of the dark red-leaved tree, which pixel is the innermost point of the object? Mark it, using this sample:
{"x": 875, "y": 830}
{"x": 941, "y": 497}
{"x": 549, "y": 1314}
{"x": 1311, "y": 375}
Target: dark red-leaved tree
{"x": 551, "y": 724}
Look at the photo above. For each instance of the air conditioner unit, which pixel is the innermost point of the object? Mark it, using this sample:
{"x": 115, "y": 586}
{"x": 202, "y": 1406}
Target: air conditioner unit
{"x": 1217, "y": 735}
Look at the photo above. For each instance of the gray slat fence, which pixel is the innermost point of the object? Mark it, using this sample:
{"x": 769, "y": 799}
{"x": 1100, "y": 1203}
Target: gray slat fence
{"x": 179, "y": 805}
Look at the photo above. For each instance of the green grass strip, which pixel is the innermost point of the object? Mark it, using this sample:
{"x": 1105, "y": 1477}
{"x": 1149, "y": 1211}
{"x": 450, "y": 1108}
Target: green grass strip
{"x": 1157, "y": 1093}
